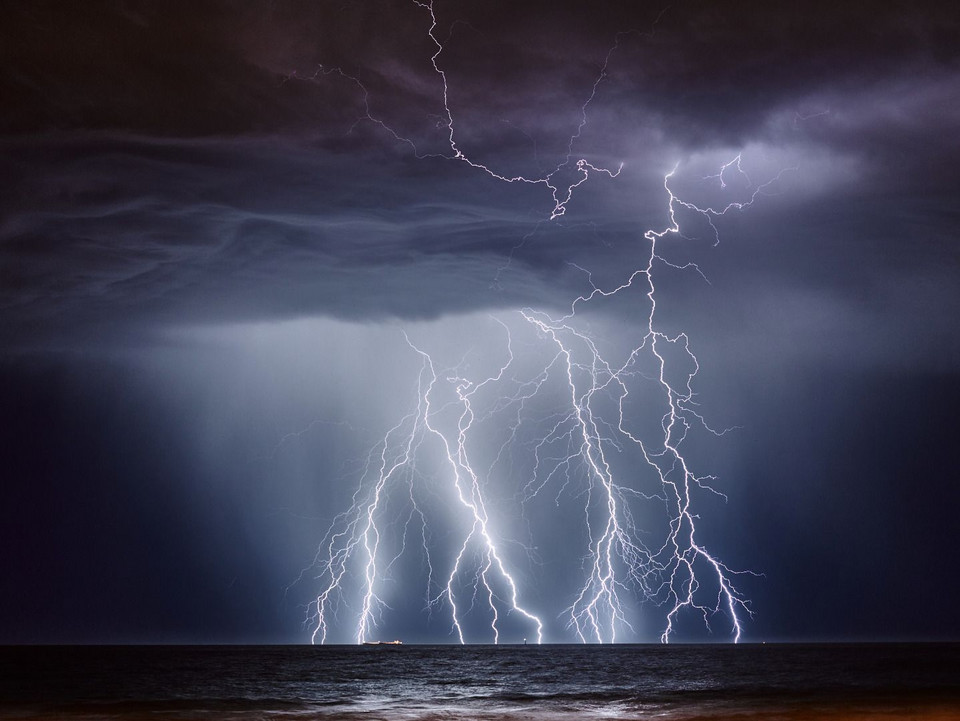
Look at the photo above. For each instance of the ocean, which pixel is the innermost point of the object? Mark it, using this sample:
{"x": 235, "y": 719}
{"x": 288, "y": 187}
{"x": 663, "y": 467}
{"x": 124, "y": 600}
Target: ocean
{"x": 534, "y": 683}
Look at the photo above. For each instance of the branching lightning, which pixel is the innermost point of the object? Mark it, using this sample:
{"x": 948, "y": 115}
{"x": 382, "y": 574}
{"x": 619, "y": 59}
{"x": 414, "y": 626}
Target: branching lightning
{"x": 583, "y": 166}
{"x": 561, "y": 195}
{"x": 356, "y": 533}
{"x": 576, "y": 457}
{"x": 618, "y": 560}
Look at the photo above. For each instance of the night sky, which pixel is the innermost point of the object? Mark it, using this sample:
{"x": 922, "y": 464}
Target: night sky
{"x": 218, "y": 219}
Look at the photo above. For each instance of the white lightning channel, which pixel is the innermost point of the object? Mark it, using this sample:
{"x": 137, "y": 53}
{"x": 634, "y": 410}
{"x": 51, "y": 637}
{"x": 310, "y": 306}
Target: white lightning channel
{"x": 677, "y": 573}
{"x": 617, "y": 560}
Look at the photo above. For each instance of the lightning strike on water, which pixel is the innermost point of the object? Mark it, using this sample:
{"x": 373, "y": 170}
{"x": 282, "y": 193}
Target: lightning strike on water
{"x": 620, "y": 565}
{"x": 357, "y": 531}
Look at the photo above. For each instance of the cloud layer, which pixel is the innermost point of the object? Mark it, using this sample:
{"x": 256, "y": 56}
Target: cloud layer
{"x": 171, "y": 169}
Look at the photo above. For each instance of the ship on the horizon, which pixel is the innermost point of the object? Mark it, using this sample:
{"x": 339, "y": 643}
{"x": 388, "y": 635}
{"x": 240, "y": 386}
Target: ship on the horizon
{"x": 383, "y": 643}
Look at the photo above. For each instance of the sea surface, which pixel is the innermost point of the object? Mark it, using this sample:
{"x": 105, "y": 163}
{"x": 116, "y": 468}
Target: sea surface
{"x": 336, "y": 683}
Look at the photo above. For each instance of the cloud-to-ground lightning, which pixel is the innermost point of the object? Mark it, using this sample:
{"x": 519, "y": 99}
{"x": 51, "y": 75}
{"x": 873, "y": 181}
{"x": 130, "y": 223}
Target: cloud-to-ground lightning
{"x": 621, "y": 564}
{"x": 353, "y": 541}
{"x": 617, "y": 559}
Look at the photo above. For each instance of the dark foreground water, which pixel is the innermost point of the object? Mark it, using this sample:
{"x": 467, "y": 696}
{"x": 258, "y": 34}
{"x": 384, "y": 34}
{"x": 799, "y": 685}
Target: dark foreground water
{"x": 876, "y": 681}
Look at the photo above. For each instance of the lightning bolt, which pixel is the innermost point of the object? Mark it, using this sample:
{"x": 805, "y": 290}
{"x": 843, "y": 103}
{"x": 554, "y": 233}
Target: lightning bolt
{"x": 617, "y": 559}
{"x": 561, "y": 194}
{"x": 576, "y": 456}
{"x": 356, "y": 534}
{"x": 467, "y": 484}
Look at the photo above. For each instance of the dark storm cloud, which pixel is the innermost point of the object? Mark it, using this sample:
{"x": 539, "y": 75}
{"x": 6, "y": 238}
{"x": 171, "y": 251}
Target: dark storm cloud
{"x": 721, "y": 70}
{"x": 128, "y": 230}
{"x": 710, "y": 70}
{"x": 192, "y": 163}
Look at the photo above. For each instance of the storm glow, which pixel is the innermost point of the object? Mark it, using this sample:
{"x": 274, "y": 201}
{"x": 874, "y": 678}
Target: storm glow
{"x": 577, "y": 423}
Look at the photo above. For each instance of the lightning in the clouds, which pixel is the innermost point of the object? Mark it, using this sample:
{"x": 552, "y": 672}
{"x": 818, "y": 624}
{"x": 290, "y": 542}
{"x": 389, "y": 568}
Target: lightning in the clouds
{"x": 561, "y": 193}
{"x": 426, "y": 460}
{"x": 561, "y": 196}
